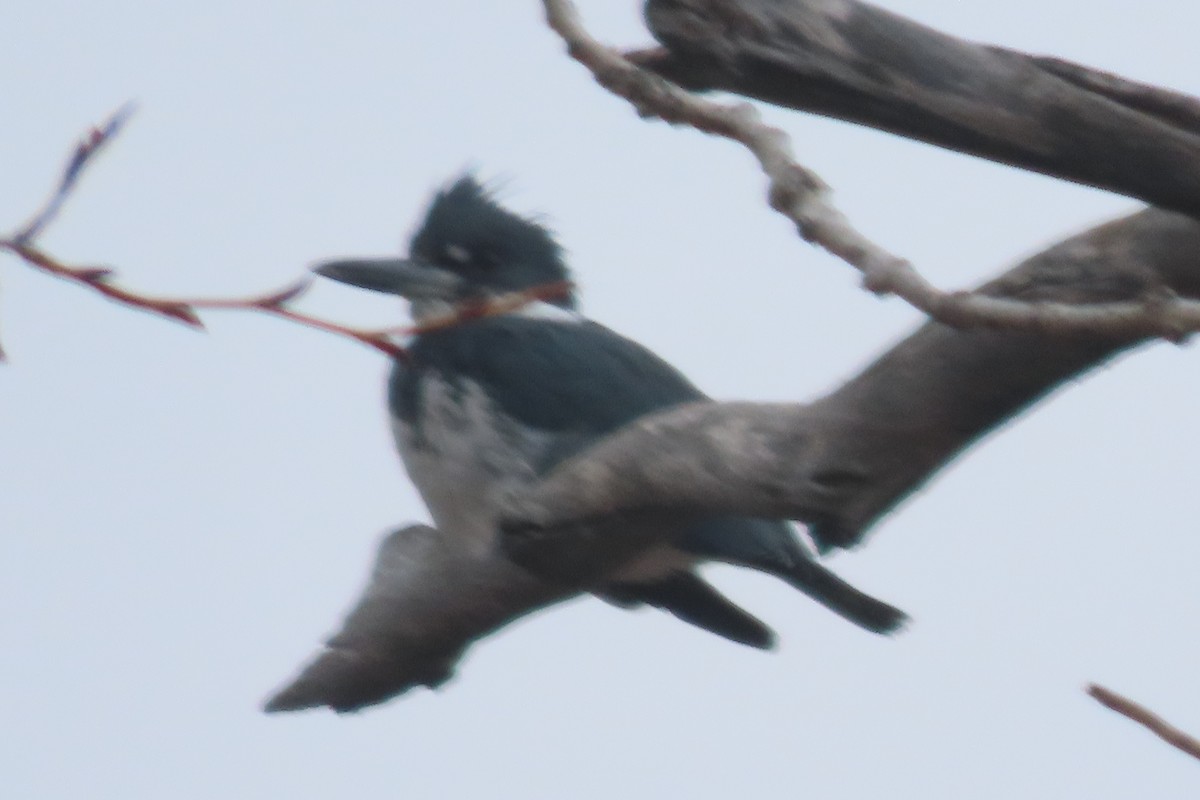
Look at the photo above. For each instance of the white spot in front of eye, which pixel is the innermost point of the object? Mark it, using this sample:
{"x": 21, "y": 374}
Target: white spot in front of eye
{"x": 458, "y": 254}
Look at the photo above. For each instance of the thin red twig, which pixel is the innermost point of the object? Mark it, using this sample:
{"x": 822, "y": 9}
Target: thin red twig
{"x": 501, "y": 304}
{"x": 185, "y": 310}
{"x": 91, "y": 144}
{"x": 276, "y": 303}
{"x": 101, "y": 279}
{"x": 1147, "y": 719}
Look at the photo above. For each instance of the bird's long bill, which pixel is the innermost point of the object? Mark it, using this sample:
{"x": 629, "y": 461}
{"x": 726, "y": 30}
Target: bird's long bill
{"x": 405, "y": 277}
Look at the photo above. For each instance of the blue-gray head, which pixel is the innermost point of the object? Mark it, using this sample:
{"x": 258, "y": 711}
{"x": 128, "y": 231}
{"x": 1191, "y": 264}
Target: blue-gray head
{"x": 468, "y": 247}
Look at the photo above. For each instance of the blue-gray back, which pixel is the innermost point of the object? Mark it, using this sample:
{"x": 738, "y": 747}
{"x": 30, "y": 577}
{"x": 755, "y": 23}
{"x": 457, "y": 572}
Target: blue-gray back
{"x": 560, "y": 377}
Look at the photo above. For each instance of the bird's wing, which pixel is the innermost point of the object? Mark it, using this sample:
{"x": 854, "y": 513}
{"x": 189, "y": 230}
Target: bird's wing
{"x": 560, "y": 377}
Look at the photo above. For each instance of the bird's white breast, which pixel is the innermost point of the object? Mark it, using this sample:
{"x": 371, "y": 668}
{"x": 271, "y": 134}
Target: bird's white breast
{"x": 464, "y": 458}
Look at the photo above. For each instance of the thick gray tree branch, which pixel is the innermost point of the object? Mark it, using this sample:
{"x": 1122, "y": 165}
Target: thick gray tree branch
{"x": 427, "y": 599}
{"x": 840, "y": 463}
{"x": 431, "y": 595}
{"x": 851, "y": 60}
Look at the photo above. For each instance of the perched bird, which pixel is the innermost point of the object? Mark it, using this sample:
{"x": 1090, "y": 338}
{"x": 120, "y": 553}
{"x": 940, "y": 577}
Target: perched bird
{"x": 483, "y": 407}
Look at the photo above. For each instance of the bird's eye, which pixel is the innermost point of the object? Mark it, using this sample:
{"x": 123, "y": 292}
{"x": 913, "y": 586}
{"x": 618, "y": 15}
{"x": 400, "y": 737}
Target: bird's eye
{"x": 458, "y": 254}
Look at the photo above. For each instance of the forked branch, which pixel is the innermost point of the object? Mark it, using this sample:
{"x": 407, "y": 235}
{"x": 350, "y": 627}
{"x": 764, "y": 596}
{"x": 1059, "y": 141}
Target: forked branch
{"x": 801, "y": 195}
{"x": 276, "y": 303}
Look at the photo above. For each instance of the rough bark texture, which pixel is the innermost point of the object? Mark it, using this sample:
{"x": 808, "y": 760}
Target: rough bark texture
{"x": 426, "y": 601}
{"x": 841, "y": 462}
{"x": 853, "y": 61}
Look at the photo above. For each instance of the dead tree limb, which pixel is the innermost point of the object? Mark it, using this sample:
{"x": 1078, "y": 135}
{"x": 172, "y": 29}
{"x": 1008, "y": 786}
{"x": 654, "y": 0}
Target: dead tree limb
{"x": 842, "y": 462}
{"x": 427, "y": 599}
{"x": 853, "y": 61}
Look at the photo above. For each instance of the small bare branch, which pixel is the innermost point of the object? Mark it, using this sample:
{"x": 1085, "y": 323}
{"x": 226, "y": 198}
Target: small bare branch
{"x": 85, "y": 152}
{"x": 803, "y": 197}
{"x": 1147, "y": 719}
{"x": 185, "y": 309}
{"x": 100, "y": 280}
{"x": 794, "y": 190}
{"x": 500, "y": 304}
{"x": 277, "y": 303}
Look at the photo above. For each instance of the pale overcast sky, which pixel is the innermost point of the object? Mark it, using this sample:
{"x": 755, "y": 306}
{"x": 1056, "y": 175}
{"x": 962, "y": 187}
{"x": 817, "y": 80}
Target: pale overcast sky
{"x": 184, "y": 516}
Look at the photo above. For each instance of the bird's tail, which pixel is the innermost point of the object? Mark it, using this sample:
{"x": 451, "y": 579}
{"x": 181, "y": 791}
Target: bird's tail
{"x": 691, "y": 599}
{"x": 771, "y": 545}
{"x": 841, "y": 598}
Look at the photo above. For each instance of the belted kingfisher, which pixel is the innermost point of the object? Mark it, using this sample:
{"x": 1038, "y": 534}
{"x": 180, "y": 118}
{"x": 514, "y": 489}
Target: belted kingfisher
{"x": 483, "y": 407}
